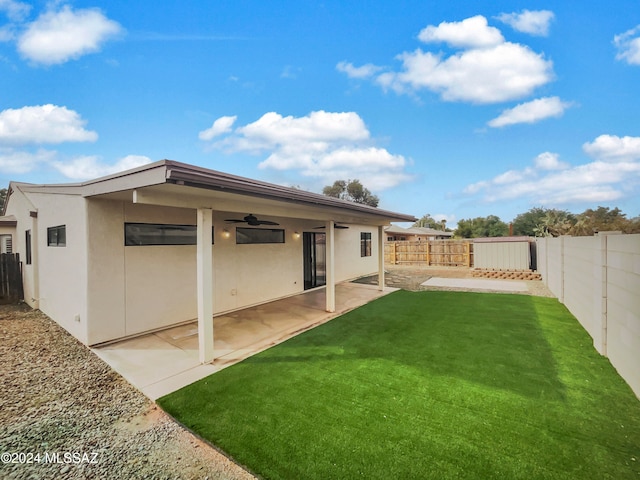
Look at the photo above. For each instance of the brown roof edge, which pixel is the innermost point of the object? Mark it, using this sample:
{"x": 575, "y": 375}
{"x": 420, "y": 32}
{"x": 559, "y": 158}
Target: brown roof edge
{"x": 182, "y": 173}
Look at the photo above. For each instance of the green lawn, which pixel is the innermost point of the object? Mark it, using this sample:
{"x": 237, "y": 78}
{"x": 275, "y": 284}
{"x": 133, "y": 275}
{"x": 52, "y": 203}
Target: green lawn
{"x": 421, "y": 385}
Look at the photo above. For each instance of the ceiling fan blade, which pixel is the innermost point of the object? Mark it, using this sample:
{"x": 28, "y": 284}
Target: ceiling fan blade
{"x": 234, "y": 220}
{"x": 266, "y": 222}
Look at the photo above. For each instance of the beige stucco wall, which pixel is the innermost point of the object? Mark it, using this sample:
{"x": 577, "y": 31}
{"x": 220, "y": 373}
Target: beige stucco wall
{"x": 60, "y": 271}
{"x": 135, "y": 289}
{"x": 348, "y": 263}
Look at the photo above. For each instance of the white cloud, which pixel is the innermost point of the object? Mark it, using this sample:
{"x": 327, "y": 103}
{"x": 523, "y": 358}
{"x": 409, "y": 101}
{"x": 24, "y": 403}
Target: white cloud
{"x": 17, "y": 162}
{"x": 549, "y": 161}
{"x": 89, "y": 167}
{"x": 324, "y": 145}
{"x": 613, "y": 174}
{"x": 364, "y": 71}
{"x": 628, "y": 45}
{"x": 50, "y": 124}
{"x": 58, "y": 36}
{"x": 533, "y": 23}
{"x": 481, "y": 75}
{"x": 531, "y": 112}
{"x": 16, "y": 11}
{"x": 485, "y": 69}
{"x": 611, "y": 148}
{"x": 220, "y": 126}
{"x": 472, "y": 32}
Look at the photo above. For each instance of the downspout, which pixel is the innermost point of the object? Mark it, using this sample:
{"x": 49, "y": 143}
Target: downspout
{"x": 35, "y": 265}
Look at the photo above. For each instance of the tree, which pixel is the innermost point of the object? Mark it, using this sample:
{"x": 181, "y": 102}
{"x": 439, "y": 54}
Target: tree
{"x": 555, "y": 223}
{"x": 526, "y": 223}
{"x": 3, "y": 198}
{"x": 426, "y": 221}
{"x": 351, "y": 190}
{"x": 602, "y": 219}
{"x": 478, "y": 227}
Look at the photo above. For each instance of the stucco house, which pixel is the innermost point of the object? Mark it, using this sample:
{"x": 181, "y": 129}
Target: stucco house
{"x": 169, "y": 242}
{"x": 395, "y": 233}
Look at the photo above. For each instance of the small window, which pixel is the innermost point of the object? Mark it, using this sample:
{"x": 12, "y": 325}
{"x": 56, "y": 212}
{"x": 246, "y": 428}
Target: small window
{"x": 259, "y": 235}
{"x": 6, "y": 244}
{"x": 57, "y": 236}
{"x": 365, "y": 244}
{"x": 27, "y": 242}
{"x": 139, "y": 234}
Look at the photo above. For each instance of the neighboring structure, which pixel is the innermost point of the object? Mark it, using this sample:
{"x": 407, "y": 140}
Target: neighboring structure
{"x": 168, "y": 242}
{"x": 395, "y": 233}
{"x": 7, "y": 230}
{"x": 504, "y": 253}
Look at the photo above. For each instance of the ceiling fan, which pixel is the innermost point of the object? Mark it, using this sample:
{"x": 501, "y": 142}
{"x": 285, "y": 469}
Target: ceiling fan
{"x": 251, "y": 220}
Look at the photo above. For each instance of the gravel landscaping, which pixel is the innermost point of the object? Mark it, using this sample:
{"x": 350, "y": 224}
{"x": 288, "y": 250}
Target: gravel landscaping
{"x": 65, "y": 414}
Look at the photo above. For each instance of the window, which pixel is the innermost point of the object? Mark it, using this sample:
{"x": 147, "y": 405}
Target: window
{"x": 57, "y": 236}
{"x": 6, "y": 244}
{"x": 27, "y": 241}
{"x": 138, "y": 234}
{"x": 365, "y": 244}
{"x": 259, "y": 235}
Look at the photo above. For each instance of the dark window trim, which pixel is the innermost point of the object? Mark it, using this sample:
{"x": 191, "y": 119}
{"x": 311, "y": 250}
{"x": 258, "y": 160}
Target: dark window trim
{"x": 57, "y": 236}
{"x": 241, "y": 230}
{"x": 27, "y": 238}
{"x": 128, "y": 242}
{"x": 365, "y": 244}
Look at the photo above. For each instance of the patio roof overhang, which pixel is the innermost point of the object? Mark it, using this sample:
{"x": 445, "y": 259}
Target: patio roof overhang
{"x": 171, "y": 183}
{"x": 174, "y": 184}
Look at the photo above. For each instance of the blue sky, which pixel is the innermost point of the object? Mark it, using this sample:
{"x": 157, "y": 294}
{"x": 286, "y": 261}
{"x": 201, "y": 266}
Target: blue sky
{"x": 456, "y": 109}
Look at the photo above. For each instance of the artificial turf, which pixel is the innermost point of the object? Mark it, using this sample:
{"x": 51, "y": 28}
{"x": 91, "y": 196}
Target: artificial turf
{"x": 419, "y": 385}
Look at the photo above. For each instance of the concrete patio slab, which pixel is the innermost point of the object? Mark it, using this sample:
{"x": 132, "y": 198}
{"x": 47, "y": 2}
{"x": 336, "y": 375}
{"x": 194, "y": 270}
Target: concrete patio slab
{"x": 161, "y": 362}
{"x": 477, "y": 284}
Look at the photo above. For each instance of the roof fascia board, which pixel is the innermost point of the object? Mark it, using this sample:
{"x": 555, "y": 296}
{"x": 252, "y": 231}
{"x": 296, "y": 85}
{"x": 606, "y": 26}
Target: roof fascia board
{"x": 183, "y": 174}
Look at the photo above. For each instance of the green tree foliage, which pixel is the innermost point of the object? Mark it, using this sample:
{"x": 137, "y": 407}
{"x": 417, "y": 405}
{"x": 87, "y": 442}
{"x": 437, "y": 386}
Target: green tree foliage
{"x": 555, "y": 223}
{"x": 351, "y": 190}
{"x": 3, "y": 198}
{"x": 526, "y": 223}
{"x": 602, "y": 219}
{"x": 427, "y": 221}
{"x": 543, "y": 222}
{"x": 479, "y": 227}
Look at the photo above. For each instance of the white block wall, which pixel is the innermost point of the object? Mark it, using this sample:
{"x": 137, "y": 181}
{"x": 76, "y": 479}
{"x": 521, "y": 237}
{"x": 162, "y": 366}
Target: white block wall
{"x": 598, "y": 279}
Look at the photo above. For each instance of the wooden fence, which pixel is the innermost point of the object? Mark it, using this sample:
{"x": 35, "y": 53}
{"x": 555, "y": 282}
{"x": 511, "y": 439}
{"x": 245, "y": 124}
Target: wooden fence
{"x": 444, "y": 253}
{"x": 10, "y": 278}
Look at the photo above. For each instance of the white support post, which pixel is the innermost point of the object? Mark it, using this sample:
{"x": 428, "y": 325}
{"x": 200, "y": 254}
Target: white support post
{"x": 380, "y": 258}
{"x": 330, "y": 289}
{"x": 205, "y": 284}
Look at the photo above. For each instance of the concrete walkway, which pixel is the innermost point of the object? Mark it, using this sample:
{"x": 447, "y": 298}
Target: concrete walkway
{"x": 481, "y": 284}
{"x": 160, "y": 363}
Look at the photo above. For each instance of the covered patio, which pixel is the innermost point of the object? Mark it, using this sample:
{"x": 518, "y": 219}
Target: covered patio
{"x": 164, "y": 361}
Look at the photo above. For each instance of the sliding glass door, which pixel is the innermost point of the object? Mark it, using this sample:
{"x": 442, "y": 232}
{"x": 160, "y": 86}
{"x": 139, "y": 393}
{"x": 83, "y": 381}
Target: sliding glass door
{"x": 315, "y": 259}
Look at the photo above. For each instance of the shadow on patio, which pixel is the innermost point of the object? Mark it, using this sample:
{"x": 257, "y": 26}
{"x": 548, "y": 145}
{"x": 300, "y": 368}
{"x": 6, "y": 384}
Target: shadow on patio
{"x": 161, "y": 362}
